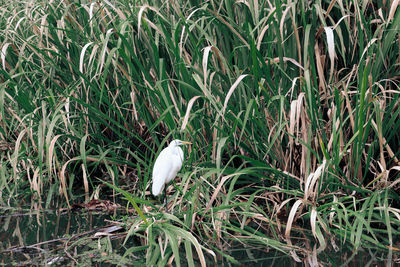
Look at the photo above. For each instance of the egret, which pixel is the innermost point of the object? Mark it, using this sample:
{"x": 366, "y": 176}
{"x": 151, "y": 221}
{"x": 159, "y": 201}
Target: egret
{"x": 167, "y": 165}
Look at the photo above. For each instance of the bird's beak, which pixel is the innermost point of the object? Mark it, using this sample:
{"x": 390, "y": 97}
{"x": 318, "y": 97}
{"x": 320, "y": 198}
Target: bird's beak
{"x": 186, "y": 143}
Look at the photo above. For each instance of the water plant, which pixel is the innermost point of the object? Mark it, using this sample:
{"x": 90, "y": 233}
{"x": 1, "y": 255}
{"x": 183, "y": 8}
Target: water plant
{"x": 292, "y": 108}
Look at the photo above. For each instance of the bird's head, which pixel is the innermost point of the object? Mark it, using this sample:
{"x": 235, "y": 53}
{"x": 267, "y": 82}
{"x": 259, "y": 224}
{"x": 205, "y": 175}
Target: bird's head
{"x": 177, "y": 142}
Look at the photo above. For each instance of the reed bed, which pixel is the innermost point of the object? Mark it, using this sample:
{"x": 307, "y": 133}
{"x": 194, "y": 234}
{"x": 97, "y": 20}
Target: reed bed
{"x": 292, "y": 108}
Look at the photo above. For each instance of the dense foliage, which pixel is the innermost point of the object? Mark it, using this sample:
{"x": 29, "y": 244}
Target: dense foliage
{"x": 292, "y": 108}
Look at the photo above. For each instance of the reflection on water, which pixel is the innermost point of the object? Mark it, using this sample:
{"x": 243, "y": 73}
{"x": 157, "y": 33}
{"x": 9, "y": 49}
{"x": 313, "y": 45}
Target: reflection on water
{"x": 51, "y": 238}
{"x": 345, "y": 257}
{"x": 40, "y": 238}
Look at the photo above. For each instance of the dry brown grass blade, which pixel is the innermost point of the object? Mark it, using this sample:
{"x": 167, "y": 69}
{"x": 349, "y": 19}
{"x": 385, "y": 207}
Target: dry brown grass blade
{"x": 181, "y": 40}
{"x": 162, "y": 247}
{"x": 86, "y": 183}
{"x": 310, "y": 188}
{"x": 219, "y": 57}
{"x": 320, "y": 60}
{"x": 334, "y": 125}
{"x": 264, "y": 29}
{"x": 313, "y": 221}
{"x": 297, "y": 113}
{"x": 105, "y": 49}
{"x": 14, "y": 160}
{"x": 291, "y": 217}
{"x": 82, "y": 56}
{"x": 63, "y": 185}
{"x": 277, "y": 209}
{"x": 35, "y": 183}
{"x": 231, "y": 90}
{"x": 289, "y": 223}
{"x": 51, "y": 152}
{"x": 388, "y": 149}
{"x": 118, "y": 11}
{"x": 151, "y": 24}
{"x": 221, "y": 216}
{"x": 214, "y": 146}
{"x": 393, "y": 9}
{"x": 216, "y": 191}
{"x": 304, "y": 148}
{"x": 203, "y": 87}
{"x": 285, "y": 59}
{"x": 380, "y": 137}
{"x": 331, "y": 50}
{"x": 283, "y": 20}
{"x": 205, "y": 63}
{"x": 312, "y": 258}
{"x": 292, "y": 124}
{"x": 189, "y": 108}
{"x": 3, "y": 55}
{"x": 321, "y": 29}
{"x": 348, "y": 102}
{"x": 172, "y": 97}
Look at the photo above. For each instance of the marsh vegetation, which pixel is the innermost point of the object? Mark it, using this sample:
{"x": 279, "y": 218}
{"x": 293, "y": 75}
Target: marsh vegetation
{"x": 292, "y": 108}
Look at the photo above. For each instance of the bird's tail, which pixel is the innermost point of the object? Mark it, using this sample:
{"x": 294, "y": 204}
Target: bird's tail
{"x": 158, "y": 187}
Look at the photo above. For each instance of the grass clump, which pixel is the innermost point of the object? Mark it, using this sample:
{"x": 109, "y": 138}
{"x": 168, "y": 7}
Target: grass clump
{"x": 292, "y": 106}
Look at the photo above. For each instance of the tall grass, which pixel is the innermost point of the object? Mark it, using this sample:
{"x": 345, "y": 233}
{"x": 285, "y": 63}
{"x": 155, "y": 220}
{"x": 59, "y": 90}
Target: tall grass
{"x": 292, "y": 108}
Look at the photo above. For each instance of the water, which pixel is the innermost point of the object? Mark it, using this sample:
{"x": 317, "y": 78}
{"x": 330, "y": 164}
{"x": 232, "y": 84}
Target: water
{"x": 55, "y": 238}
{"x": 51, "y": 238}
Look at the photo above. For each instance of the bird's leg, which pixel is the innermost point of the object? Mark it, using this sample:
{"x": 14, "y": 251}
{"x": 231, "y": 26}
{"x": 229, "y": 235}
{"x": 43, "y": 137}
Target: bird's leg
{"x": 165, "y": 199}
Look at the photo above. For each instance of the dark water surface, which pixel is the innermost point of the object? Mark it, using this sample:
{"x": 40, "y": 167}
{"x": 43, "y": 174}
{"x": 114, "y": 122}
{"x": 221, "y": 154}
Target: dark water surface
{"x": 48, "y": 237}
{"x": 53, "y": 238}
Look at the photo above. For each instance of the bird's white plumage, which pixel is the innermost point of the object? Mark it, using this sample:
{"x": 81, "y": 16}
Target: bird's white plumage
{"x": 167, "y": 165}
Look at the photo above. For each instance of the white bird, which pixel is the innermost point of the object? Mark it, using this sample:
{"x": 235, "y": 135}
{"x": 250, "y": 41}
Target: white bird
{"x": 167, "y": 165}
